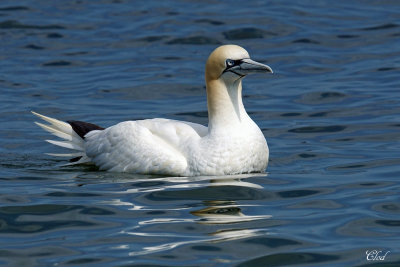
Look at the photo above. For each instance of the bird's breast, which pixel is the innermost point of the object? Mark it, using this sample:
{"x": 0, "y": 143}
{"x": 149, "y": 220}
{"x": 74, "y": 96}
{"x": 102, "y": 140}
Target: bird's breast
{"x": 231, "y": 154}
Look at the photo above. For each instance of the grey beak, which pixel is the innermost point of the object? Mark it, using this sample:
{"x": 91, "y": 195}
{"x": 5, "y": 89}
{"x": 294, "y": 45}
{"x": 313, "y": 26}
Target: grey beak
{"x": 245, "y": 66}
{"x": 250, "y": 66}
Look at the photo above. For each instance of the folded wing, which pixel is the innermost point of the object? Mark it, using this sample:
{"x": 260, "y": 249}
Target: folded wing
{"x": 148, "y": 146}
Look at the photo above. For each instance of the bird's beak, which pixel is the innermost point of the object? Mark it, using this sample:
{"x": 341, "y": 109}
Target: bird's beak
{"x": 248, "y": 66}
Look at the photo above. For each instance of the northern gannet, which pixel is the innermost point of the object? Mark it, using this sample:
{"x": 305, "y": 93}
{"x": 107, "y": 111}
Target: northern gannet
{"x": 231, "y": 144}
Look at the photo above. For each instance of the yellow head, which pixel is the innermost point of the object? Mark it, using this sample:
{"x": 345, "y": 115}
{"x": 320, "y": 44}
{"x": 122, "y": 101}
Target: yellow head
{"x": 232, "y": 60}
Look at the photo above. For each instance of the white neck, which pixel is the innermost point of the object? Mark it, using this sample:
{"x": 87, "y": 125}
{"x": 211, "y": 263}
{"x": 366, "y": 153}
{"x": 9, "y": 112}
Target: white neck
{"x": 225, "y": 106}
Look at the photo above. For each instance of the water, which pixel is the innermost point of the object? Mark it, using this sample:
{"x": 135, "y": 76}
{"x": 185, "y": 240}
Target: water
{"x": 330, "y": 114}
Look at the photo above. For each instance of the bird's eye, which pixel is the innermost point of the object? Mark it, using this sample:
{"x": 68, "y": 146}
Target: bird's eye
{"x": 230, "y": 63}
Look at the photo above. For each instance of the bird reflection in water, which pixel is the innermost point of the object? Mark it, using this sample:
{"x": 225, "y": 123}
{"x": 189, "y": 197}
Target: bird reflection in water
{"x": 221, "y": 216}
{"x": 225, "y": 212}
{"x": 222, "y": 212}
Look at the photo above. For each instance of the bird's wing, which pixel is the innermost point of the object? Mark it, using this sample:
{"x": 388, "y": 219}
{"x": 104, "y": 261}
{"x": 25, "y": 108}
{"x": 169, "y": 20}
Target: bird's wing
{"x": 147, "y": 146}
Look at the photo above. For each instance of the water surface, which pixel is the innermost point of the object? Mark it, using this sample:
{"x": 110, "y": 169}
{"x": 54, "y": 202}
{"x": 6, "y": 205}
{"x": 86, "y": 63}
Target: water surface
{"x": 330, "y": 114}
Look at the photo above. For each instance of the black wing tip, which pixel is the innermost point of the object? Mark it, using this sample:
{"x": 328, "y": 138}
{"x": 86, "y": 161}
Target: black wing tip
{"x": 82, "y": 128}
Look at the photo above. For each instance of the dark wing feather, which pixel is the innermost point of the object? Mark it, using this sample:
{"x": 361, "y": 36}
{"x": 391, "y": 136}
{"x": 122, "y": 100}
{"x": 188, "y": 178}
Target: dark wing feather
{"x": 82, "y": 128}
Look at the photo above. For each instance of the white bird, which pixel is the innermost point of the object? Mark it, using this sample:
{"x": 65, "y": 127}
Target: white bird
{"x": 231, "y": 144}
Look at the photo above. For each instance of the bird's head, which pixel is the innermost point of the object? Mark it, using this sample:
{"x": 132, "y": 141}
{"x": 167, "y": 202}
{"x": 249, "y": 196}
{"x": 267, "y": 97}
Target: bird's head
{"x": 232, "y": 62}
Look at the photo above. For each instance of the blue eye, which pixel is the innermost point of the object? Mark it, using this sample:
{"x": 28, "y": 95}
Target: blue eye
{"x": 230, "y": 63}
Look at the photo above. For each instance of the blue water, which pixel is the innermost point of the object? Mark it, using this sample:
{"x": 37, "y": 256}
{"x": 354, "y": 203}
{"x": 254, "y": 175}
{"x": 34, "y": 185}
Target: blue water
{"x": 330, "y": 114}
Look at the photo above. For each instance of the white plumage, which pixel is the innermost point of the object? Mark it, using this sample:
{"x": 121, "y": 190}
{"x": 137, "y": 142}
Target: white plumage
{"x": 231, "y": 144}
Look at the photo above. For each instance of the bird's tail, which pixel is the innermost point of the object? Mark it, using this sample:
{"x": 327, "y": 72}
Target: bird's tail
{"x": 70, "y": 138}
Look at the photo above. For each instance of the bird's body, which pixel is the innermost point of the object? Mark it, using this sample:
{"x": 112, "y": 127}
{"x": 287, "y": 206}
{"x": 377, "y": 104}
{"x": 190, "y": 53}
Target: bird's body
{"x": 231, "y": 144}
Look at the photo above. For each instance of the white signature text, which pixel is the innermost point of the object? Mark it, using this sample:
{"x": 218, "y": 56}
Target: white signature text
{"x": 376, "y": 255}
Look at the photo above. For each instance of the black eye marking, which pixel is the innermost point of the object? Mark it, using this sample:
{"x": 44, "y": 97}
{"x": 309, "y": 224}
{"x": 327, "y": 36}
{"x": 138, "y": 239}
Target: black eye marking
{"x": 231, "y": 63}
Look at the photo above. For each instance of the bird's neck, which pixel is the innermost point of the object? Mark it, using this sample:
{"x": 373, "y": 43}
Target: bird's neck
{"x": 225, "y": 106}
